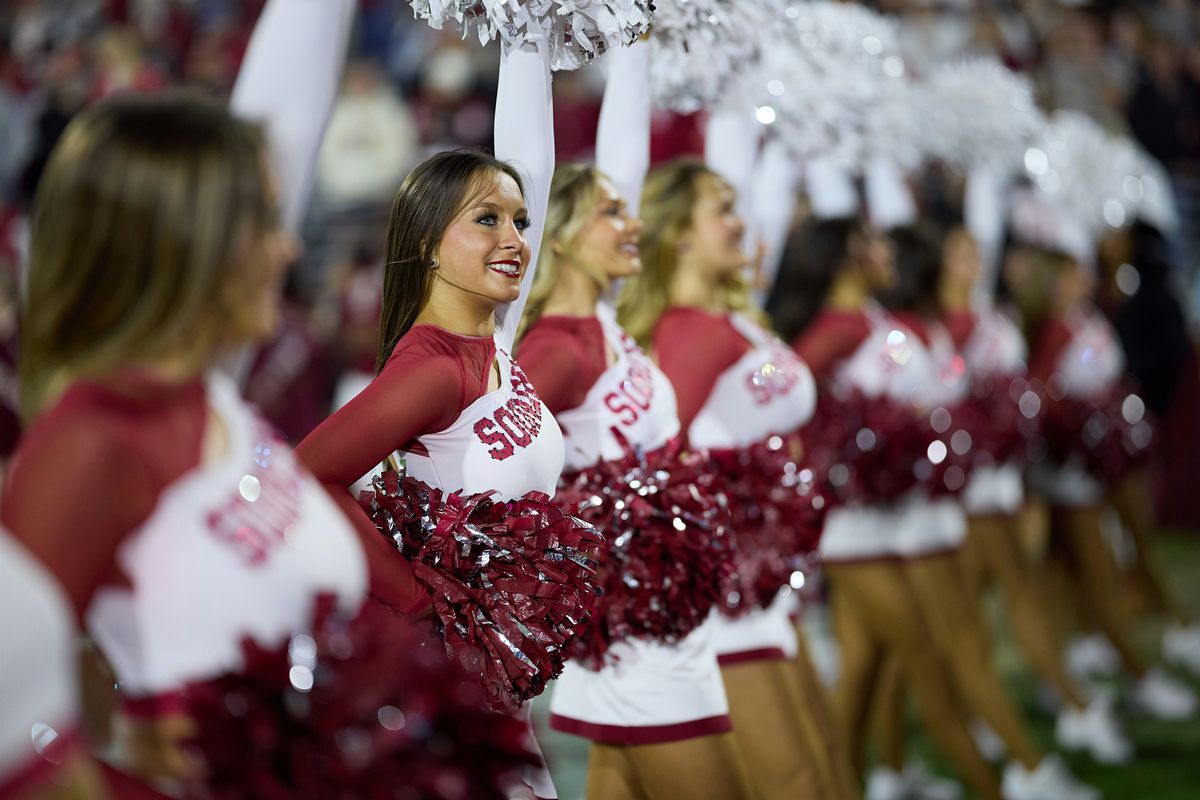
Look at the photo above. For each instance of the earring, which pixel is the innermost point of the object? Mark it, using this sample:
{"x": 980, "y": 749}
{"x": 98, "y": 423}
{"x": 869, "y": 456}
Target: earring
{"x": 433, "y": 264}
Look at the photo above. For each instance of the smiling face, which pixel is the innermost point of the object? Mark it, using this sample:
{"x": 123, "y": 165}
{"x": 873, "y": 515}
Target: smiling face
{"x": 483, "y": 251}
{"x": 607, "y": 244}
{"x": 713, "y": 241}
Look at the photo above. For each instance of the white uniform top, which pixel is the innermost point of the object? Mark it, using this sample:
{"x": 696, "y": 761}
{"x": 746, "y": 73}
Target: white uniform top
{"x": 38, "y": 693}
{"x": 769, "y": 390}
{"x": 996, "y": 346}
{"x": 1093, "y": 361}
{"x": 891, "y": 362}
{"x": 236, "y": 547}
{"x": 506, "y": 441}
{"x": 632, "y": 396}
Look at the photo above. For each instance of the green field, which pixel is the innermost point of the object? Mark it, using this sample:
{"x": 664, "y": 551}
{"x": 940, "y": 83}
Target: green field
{"x": 1167, "y": 766}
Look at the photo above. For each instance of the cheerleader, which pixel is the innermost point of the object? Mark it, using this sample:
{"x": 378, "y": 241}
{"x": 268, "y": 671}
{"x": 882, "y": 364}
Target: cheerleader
{"x": 994, "y": 352}
{"x": 654, "y": 709}
{"x": 41, "y": 755}
{"x": 936, "y": 577}
{"x": 157, "y": 249}
{"x": 851, "y": 342}
{"x": 1075, "y": 355}
{"x": 449, "y": 401}
{"x": 1154, "y": 337}
{"x": 736, "y": 385}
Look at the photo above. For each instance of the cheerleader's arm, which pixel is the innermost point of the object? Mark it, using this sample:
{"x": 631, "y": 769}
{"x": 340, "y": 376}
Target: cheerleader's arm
{"x": 731, "y": 148}
{"x": 773, "y": 204}
{"x": 623, "y": 135}
{"x": 288, "y": 81}
{"x": 524, "y": 137}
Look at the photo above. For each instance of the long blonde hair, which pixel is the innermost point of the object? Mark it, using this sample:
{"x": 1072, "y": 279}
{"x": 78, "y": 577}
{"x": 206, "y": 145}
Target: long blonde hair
{"x": 668, "y": 197}
{"x": 141, "y": 231}
{"x": 573, "y": 193}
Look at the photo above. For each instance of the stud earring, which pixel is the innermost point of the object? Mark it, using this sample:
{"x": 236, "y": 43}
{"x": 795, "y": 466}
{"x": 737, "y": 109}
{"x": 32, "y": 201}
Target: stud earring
{"x": 433, "y": 264}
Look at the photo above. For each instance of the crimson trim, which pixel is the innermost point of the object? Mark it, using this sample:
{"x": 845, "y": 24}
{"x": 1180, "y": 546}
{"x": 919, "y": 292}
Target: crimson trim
{"x": 746, "y": 656}
{"x": 154, "y": 705}
{"x": 641, "y": 734}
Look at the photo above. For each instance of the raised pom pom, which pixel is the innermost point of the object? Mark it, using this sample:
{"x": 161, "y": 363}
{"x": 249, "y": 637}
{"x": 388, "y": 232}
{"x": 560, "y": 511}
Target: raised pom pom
{"x": 1102, "y": 180}
{"x": 831, "y": 84}
{"x": 513, "y": 583}
{"x": 670, "y": 549}
{"x": 362, "y": 707}
{"x": 702, "y": 46}
{"x": 977, "y": 112}
{"x": 577, "y": 30}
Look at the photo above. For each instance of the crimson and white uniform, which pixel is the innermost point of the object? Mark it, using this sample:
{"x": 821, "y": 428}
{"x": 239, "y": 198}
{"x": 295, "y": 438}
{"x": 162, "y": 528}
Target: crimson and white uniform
{"x": 991, "y": 344}
{"x": 184, "y": 556}
{"x": 738, "y": 384}
{"x": 38, "y": 683}
{"x": 876, "y": 354}
{"x": 430, "y": 404}
{"x": 505, "y": 441}
{"x": 650, "y": 692}
{"x": 238, "y": 546}
{"x": 1077, "y": 356}
{"x": 631, "y": 395}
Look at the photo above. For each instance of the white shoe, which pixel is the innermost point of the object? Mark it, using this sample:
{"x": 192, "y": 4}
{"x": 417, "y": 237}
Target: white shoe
{"x": 884, "y": 783}
{"x": 1096, "y": 730}
{"x": 1092, "y": 655}
{"x": 1050, "y": 781}
{"x": 924, "y": 785}
{"x": 1160, "y": 696}
{"x": 990, "y": 745}
{"x": 1181, "y": 647}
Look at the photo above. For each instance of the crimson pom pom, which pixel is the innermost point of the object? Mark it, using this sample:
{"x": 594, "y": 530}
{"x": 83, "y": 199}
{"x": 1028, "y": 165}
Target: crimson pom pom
{"x": 1110, "y": 433}
{"x": 670, "y": 550}
{"x": 363, "y": 708}
{"x": 512, "y": 583}
{"x": 1002, "y": 415}
{"x": 778, "y": 508}
{"x": 874, "y": 450}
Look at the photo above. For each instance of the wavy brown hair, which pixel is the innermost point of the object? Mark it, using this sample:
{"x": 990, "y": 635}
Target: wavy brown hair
{"x": 432, "y": 195}
{"x": 142, "y": 232}
{"x": 668, "y": 197}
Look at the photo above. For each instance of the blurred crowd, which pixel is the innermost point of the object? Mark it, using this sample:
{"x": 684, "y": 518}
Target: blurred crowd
{"x": 1133, "y": 66}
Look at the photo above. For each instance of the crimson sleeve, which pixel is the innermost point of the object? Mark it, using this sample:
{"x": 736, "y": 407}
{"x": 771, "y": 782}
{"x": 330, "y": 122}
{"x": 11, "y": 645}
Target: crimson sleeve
{"x": 410, "y": 397}
{"x": 823, "y": 345}
{"x": 72, "y": 497}
{"x": 693, "y": 350}
{"x": 1052, "y": 339}
{"x": 960, "y": 324}
{"x": 390, "y": 576}
{"x": 555, "y": 365}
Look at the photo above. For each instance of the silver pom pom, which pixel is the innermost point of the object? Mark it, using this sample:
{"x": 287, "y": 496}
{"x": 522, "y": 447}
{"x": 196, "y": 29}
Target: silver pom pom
{"x": 832, "y": 84}
{"x": 702, "y": 46}
{"x": 577, "y": 30}
{"x": 1104, "y": 180}
{"x": 977, "y": 112}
